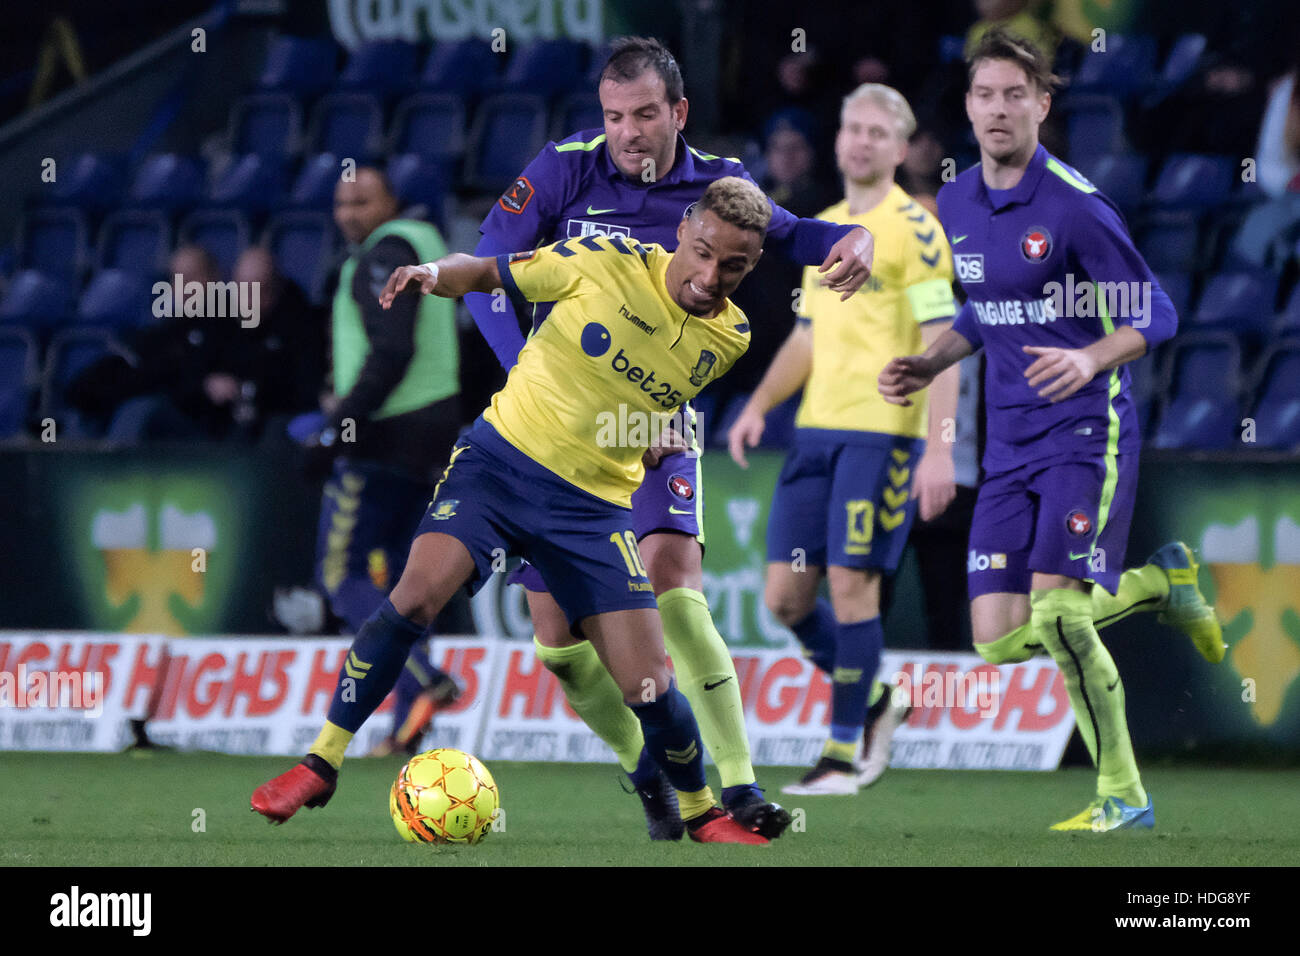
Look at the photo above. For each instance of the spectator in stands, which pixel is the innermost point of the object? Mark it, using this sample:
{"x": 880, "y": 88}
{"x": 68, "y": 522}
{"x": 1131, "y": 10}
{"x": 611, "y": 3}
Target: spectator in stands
{"x": 1268, "y": 236}
{"x": 921, "y": 174}
{"x": 1021, "y": 17}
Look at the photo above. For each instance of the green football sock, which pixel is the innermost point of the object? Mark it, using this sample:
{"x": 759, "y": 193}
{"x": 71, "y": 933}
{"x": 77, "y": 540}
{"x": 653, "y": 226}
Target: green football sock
{"x": 1012, "y": 648}
{"x": 1061, "y": 620}
{"x": 707, "y": 676}
{"x": 594, "y": 697}
{"x": 1140, "y": 589}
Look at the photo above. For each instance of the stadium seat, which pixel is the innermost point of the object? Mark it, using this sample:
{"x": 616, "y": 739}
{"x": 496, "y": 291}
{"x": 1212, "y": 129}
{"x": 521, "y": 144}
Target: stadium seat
{"x": 222, "y": 232}
{"x": 302, "y": 243}
{"x": 37, "y": 301}
{"x": 462, "y": 67}
{"x": 1178, "y": 286}
{"x": 1242, "y": 300}
{"x": 431, "y": 124}
{"x": 54, "y": 241}
{"x": 137, "y": 240}
{"x": 1193, "y": 181}
{"x": 347, "y": 124}
{"x": 116, "y": 299}
{"x": 576, "y": 112}
{"x": 303, "y": 66}
{"x": 71, "y": 352}
{"x": 1122, "y": 177}
{"x": 19, "y": 378}
{"x": 545, "y": 68}
{"x": 167, "y": 181}
{"x": 1094, "y": 128}
{"x": 1202, "y": 385}
{"x": 1170, "y": 242}
{"x": 509, "y": 130}
{"x": 1287, "y": 321}
{"x": 314, "y": 186}
{"x": 91, "y": 181}
{"x": 1126, "y": 65}
{"x": 419, "y": 181}
{"x": 1179, "y": 66}
{"x": 1276, "y": 388}
{"x": 269, "y": 124}
{"x": 384, "y": 68}
{"x": 251, "y": 182}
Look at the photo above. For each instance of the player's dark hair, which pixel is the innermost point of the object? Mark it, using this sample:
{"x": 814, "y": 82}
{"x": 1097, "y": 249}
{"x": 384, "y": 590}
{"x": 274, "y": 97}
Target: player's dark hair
{"x": 632, "y": 56}
{"x": 1000, "y": 44}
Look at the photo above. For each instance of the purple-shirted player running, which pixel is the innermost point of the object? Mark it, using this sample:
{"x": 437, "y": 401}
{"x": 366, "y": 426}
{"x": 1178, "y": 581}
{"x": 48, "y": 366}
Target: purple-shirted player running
{"x": 1060, "y": 300}
{"x": 636, "y": 178}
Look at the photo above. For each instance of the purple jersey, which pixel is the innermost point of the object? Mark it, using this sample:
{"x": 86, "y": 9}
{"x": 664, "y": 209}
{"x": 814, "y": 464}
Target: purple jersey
{"x": 1049, "y": 263}
{"x": 573, "y": 189}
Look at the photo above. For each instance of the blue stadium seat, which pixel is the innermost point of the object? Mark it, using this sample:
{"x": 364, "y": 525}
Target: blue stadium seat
{"x": 1277, "y": 396}
{"x": 1287, "y": 321}
{"x": 91, "y": 181}
{"x": 222, "y": 232}
{"x": 251, "y": 182}
{"x": 269, "y": 124}
{"x": 1170, "y": 242}
{"x": 70, "y": 353}
{"x": 1144, "y": 378}
{"x": 1178, "y": 286}
{"x": 302, "y": 243}
{"x": 1094, "y": 128}
{"x": 545, "y": 68}
{"x": 432, "y": 124}
{"x": 167, "y": 181}
{"x": 578, "y": 111}
{"x": 1202, "y": 387}
{"x": 1188, "y": 180}
{"x": 419, "y": 181}
{"x": 304, "y": 66}
{"x": 116, "y": 299}
{"x": 509, "y": 130}
{"x": 1242, "y": 300}
{"x": 463, "y": 67}
{"x": 1179, "y": 67}
{"x": 1121, "y": 177}
{"x": 54, "y": 241}
{"x": 37, "y": 301}
{"x": 138, "y": 240}
{"x": 1126, "y": 65}
{"x": 346, "y": 124}
{"x": 314, "y": 187}
{"x": 19, "y": 377}
{"x": 384, "y": 67}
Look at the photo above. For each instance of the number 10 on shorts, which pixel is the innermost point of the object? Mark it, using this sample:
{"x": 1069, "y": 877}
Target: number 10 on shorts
{"x": 625, "y": 541}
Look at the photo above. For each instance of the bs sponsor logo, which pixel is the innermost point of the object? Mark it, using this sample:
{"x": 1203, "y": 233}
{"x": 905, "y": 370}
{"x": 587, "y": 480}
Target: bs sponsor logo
{"x": 970, "y": 267}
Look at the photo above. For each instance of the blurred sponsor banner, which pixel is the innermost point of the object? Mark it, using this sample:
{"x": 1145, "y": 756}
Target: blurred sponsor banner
{"x": 270, "y": 695}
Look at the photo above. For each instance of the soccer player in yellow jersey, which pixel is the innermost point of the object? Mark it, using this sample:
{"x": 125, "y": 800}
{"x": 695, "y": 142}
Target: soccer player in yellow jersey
{"x": 636, "y": 331}
{"x": 844, "y": 501}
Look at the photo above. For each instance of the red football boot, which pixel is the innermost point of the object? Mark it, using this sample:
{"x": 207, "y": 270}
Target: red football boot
{"x": 310, "y": 783}
{"x": 718, "y": 826}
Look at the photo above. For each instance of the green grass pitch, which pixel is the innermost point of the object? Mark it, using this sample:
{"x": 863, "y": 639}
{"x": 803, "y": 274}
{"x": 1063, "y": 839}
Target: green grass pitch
{"x": 125, "y": 810}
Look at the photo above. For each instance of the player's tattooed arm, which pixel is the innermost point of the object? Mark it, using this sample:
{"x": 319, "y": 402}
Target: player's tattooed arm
{"x": 911, "y": 373}
{"x": 1062, "y": 372}
{"x": 450, "y": 277}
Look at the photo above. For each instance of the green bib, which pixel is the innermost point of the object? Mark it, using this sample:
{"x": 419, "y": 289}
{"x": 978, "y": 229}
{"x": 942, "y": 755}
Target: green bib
{"x": 434, "y": 372}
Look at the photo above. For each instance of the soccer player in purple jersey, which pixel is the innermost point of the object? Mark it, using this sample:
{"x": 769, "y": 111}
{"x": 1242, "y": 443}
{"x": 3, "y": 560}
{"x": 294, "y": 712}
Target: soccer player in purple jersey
{"x": 1060, "y": 300}
{"x": 635, "y": 178}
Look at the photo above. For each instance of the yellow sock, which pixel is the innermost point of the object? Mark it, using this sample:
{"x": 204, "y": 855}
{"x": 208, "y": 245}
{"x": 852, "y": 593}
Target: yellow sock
{"x": 595, "y": 698}
{"x": 692, "y": 805}
{"x": 330, "y": 744}
{"x": 838, "y": 750}
{"x": 1140, "y": 589}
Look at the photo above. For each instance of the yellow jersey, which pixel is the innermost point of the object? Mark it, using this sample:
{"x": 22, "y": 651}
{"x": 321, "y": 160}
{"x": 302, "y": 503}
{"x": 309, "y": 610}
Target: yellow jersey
{"x": 610, "y": 364}
{"x": 910, "y": 283}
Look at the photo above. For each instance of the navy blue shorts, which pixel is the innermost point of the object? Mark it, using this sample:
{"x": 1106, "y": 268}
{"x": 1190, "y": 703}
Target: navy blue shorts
{"x": 498, "y": 502}
{"x": 669, "y": 499}
{"x": 1070, "y": 518}
{"x": 844, "y": 500}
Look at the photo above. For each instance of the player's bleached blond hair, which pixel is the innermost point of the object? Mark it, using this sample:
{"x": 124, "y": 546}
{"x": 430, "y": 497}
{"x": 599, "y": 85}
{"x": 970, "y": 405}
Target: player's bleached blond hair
{"x": 888, "y": 99}
{"x": 736, "y": 201}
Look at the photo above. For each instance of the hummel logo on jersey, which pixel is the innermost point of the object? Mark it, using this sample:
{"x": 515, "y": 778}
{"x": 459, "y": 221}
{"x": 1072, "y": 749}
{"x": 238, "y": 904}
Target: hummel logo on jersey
{"x": 636, "y": 320}
{"x": 970, "y": 267}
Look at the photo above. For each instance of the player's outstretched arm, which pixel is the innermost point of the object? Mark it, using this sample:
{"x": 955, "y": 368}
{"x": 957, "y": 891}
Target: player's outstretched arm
{"x": 911, "y": 373}
{"x": 785, "y": 376}
{"x": 450, "y": 277}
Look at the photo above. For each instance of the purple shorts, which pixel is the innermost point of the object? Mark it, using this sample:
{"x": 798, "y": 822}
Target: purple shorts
{"x": 1070, "y": 518}
{"x": 670, "y": 499}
